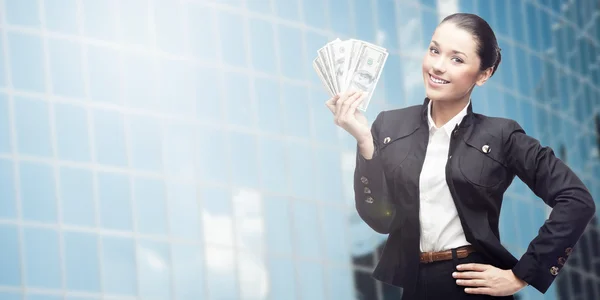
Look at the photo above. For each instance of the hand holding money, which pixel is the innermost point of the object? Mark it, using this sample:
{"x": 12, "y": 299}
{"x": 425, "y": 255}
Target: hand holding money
{"x": 350, "y": 65}
{"x": 346, "y": 115}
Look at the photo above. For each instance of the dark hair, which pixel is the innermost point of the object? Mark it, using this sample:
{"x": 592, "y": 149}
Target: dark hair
{"x": 487, "y": 45}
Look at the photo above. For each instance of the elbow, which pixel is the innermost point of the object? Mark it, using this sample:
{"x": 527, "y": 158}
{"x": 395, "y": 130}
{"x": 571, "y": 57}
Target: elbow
{"x": 591, "y": 207}
{"x": 379, "y": 225}
{"x": 381, "y": 228}
{"x": 589, "y": 202}
{"x": 587, "y": 206}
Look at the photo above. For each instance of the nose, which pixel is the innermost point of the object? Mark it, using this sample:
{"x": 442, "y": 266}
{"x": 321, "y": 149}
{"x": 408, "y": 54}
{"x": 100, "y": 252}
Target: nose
{"x": 438, "y": 66}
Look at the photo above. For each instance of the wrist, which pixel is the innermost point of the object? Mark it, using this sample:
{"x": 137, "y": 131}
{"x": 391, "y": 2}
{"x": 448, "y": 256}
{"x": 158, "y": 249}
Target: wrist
{"x": 520, "y": 281}
{"x": 365, "y": 141}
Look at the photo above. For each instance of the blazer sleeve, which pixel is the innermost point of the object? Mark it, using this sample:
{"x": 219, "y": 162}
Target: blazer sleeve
{"x": 371, "y": 192}
{"x": 558, "y": 186}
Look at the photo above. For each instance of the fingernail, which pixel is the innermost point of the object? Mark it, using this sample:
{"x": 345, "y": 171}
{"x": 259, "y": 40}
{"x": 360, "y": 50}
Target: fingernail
{"x": 454, "y": 274}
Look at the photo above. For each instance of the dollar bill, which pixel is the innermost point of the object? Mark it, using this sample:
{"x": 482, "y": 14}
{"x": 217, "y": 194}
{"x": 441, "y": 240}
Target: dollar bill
{"x": 350, "y": 64}
{"x": 340, "y": 53}
{"x": 366, "y": 72}
{"x": 319, "y": 69}
{"x": 325, "y": 59}
{"x": 352, "y": 56}
{"x": 357, "y": 44}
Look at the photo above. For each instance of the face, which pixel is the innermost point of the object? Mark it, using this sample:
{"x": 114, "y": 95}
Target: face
{"x": 451, "y": 64}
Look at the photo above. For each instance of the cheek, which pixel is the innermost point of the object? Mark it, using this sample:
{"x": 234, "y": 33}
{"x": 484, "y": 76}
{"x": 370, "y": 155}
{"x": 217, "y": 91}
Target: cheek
{"x": 464, "y": 79}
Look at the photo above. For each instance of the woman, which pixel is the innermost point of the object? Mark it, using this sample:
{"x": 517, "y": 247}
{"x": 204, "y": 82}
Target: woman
{"x": 433, "y": 176}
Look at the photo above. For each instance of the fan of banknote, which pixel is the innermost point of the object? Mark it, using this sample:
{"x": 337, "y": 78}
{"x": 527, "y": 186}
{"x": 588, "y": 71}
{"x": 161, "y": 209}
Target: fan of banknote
{"x": 351, "y": 64}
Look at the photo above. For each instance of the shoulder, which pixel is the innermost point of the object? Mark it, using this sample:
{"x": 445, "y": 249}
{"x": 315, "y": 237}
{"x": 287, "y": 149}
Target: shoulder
{"x": 405, "y": 111}
{"x": 397, "y": 123}
{"x": 497, "y": 126}
{"x": 404, "y": 116}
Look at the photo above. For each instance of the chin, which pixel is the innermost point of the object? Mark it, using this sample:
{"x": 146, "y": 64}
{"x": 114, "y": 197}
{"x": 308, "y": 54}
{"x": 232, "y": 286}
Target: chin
{"x": 433, "y": 93}
{"x": 437, "y": 95}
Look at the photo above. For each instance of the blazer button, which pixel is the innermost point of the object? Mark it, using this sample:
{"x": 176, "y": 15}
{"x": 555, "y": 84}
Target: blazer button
{"x": 364, "y": 180}
{"x": 369, "y": 199}
{"x": 486, "y": 149}
{"x": 554, "y": 271}
{"x": 568, "y": 251}
{"x": 387, "y": 140}
{"x": 367, "y": 190}
{"x": 562, "y": 261}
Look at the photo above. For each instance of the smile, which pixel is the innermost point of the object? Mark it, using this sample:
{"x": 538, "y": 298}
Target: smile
{"x": 437, "y": 80}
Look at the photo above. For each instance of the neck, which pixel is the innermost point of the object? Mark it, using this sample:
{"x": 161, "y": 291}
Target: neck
{"x": 443, "y": 111}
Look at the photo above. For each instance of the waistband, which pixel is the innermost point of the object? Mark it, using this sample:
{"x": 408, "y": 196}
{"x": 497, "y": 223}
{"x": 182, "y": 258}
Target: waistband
{"x": 461, "y": 252}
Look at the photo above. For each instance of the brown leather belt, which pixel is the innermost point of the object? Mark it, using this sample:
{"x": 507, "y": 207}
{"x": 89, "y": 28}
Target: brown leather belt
{"x": 461, "y": 252}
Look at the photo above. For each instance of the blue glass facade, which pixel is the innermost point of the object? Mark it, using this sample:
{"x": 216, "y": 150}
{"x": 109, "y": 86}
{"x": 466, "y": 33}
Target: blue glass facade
{"x": 179, "y": 149}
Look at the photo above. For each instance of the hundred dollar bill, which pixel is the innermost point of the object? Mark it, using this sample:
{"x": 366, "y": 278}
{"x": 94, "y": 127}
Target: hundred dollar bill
{"x": 325, "y": 57}
{"x": 369, "y": 44}
{"x": 319, "y": 69}
{"x": 339, "y": 55}
{"x": 352, "y": 56}
{"x": 366, "y": 71}
{"x": 355, "y": 48}
{"x": 350, "y": 64}
{"x": 326, "y": 75}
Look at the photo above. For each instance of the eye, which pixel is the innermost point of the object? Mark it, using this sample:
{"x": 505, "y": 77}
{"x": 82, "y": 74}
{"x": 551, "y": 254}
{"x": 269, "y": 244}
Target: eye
{"x": 433, "y": 50}
{"x": 457, "y": 60}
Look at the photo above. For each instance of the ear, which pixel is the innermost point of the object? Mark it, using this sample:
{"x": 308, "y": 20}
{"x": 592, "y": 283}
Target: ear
{"x": 484, "y": 76}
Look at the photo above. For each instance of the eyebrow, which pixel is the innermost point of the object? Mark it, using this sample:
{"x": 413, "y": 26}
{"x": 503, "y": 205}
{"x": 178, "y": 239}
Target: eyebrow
{"x": 454, "y": 51}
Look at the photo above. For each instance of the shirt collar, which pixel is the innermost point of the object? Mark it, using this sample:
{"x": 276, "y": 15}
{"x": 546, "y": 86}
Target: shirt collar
{"x": 448, "y": 127}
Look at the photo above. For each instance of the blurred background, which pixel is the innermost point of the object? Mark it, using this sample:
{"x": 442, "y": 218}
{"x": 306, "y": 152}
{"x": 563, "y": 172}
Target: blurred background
{"x": 174, "y": 149}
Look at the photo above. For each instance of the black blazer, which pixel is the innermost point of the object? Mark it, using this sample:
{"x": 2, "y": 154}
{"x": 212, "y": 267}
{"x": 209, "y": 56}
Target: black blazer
{"x": 485, "y": 155}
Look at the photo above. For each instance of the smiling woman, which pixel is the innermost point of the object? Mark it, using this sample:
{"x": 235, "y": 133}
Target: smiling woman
{"x": 433, "y": 177}
{"x": 463, "y": 53}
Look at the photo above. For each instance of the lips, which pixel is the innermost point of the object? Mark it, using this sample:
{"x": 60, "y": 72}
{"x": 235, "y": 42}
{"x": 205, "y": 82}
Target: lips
{"x": 437, "y": 80}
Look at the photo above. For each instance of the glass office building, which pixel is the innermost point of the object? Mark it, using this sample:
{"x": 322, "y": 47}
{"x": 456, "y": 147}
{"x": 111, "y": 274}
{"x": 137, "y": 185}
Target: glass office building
{"x": 180, "y": 149}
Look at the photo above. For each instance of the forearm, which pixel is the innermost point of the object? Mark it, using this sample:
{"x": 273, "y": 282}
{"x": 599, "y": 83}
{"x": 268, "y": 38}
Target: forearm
{"x": 372, "y": 196}
{"x": 560, "y": 188}
{"x": 550, "y": 249}
{"x": 366, "y": 148}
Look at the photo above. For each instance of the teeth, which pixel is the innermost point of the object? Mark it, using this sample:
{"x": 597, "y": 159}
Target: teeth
{"x": 438, "y": 80}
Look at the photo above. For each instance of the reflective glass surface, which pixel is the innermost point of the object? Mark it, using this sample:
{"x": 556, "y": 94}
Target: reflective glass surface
{"x": 179, "y": 149}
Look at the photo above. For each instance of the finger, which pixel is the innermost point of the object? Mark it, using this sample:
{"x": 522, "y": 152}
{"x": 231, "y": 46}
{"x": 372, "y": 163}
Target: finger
{"x": 473, "y": 267}
{"x": 469, "y": 275}
{"x": 331, "y": 103}
{"x": 357, "y": 102}
{"x": 343, "y": 98}
{"x": 472, "y": 282}
{"x": 333, "y": 99}
{"x": 346, "y": 107}
{"x": 479, "y": 291}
